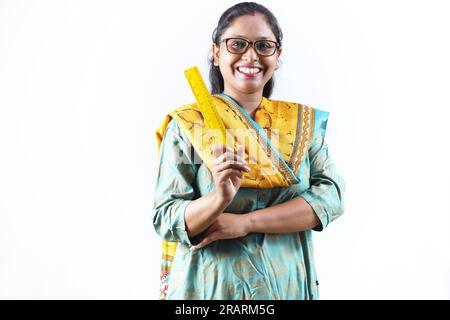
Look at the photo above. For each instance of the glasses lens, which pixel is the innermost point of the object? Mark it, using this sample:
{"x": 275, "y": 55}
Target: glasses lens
{"x": 265, "y": 47}
{"x": 237, "y": 45}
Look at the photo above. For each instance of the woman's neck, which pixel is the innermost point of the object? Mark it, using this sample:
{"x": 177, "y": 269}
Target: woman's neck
{"x": 249, "y": 102}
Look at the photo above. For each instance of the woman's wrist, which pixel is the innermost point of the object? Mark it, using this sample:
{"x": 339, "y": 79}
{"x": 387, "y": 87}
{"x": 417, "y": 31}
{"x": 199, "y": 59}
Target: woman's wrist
{"x": 218, "y": 203}
{"x": 248, "y": 221}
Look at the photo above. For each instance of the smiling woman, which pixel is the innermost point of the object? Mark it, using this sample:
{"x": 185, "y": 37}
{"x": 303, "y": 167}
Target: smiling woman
{"x": 237, "y": 220}
{"x": 241, "y": 68}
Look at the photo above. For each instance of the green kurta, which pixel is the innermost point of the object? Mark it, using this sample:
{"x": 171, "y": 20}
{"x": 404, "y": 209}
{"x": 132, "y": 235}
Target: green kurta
{"x": 260, "y": 265}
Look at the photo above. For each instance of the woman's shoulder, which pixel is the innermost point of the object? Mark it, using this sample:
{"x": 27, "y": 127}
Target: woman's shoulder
{"x": 181, "y": 110}
{"x": 319, "y": 113}
{"x": 189, "y": 107}
{"x": 318, "y": 116}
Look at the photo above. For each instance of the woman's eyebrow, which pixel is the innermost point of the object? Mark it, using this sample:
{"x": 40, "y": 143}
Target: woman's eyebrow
{"x": 241, "y": 36}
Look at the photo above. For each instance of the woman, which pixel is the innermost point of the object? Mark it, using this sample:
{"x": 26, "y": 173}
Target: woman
{"x": 238, "y": 225}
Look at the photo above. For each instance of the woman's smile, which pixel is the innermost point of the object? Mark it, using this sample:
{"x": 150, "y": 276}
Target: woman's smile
{"x": 249, "y": 71}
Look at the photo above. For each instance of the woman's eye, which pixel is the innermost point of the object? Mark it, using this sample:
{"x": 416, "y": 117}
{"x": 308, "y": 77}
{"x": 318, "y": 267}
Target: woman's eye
{"x": 265, "y": 45}
{"x": 238, "y": 44}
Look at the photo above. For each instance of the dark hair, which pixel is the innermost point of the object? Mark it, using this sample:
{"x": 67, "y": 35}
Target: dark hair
{"x": 240, "y": 9}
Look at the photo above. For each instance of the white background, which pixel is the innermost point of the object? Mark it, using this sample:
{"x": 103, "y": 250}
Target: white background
{"x": 84, "y": 84}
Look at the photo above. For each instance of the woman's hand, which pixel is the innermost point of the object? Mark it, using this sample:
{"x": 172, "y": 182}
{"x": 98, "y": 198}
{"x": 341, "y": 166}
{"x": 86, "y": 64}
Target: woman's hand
{"x": 227, "y": 171}
{"x": 226, "y": 226}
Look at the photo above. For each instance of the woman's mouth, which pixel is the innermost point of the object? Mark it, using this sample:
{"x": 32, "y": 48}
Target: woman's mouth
{"x": 249, "y": 72}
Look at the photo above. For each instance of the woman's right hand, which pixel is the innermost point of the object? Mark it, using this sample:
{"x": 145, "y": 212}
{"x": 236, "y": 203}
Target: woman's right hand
{"x": 227, "y": 171}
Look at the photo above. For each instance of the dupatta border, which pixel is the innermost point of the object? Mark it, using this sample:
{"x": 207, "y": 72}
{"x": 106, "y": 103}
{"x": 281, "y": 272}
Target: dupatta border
{"x": 297, "y": 130}
{"x": 168, "y": 254}
{"x": 306, "y": 126}
{"x": 258, "y": 132}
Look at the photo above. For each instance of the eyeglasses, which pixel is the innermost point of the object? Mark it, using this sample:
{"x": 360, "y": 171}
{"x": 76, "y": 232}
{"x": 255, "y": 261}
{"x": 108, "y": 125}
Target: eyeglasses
{"x": 263, "y": 48}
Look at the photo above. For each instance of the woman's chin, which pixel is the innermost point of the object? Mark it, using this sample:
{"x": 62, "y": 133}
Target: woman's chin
{"x": 248, "y": 87}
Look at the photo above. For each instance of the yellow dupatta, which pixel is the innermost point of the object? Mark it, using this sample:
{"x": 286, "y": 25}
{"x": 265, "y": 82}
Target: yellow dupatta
{"x": 290, "y": 125}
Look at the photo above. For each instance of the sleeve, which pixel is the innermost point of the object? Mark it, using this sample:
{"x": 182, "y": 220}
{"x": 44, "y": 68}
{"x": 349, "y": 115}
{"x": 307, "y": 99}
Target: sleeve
{"x": 175, "y": 185}
{"x": 326, "y": 192}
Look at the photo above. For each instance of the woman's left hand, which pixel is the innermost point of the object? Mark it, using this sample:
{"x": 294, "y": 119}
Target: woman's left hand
{"x": 226, "y": 226}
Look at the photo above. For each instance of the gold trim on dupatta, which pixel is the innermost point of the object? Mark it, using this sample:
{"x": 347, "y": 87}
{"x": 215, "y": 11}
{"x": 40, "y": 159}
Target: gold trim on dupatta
{"x": 303, "y": 137}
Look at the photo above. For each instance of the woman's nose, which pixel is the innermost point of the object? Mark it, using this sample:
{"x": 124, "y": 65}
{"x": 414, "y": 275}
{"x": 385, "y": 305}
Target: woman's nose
{"x": 250, "y": 54}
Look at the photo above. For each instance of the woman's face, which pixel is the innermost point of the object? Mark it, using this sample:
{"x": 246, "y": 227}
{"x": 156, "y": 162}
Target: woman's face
{"x": 251, "y": 28}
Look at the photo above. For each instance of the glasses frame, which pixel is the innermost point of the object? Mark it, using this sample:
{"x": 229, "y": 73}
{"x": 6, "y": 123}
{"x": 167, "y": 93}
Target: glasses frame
{"x": 251, "y": 43}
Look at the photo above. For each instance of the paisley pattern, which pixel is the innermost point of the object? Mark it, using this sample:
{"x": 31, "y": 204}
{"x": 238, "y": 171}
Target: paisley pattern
{"x": 258, "y": 266}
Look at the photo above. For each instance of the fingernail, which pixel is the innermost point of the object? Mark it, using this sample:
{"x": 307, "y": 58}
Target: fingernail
{"x": 192, "y": 248}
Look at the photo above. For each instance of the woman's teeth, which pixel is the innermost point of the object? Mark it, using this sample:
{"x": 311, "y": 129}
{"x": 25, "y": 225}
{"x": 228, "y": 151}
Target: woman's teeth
{"x": 248, "y": 70}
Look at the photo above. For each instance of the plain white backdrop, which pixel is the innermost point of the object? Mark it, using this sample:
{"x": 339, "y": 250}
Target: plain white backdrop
{"x": 84, "y": 84}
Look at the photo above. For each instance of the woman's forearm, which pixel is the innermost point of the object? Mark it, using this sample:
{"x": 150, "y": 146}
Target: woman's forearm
{"x": 202, "y": 212}
{"x": 291, "y": 216}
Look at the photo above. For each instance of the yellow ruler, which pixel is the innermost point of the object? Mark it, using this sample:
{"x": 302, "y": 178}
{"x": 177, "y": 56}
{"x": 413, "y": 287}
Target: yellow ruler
{"x": 206, "y": 104}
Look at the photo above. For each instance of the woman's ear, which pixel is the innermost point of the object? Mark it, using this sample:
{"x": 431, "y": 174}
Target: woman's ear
{"x": 278, "y": 59}
{"x": 215, "y": 54}
{"x": 279, "y": 52}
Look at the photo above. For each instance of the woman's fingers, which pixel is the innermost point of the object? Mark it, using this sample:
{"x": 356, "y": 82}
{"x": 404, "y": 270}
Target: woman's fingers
{"x": 228, "y": 156}
{"x": 224, "y": 153}
{"x": 241, "y": 151}
{"x": 207, "y": 240}
{"x": 231, "y": 164}
{"x": 228, "y": 173}
{"x": 218, "y": 149}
